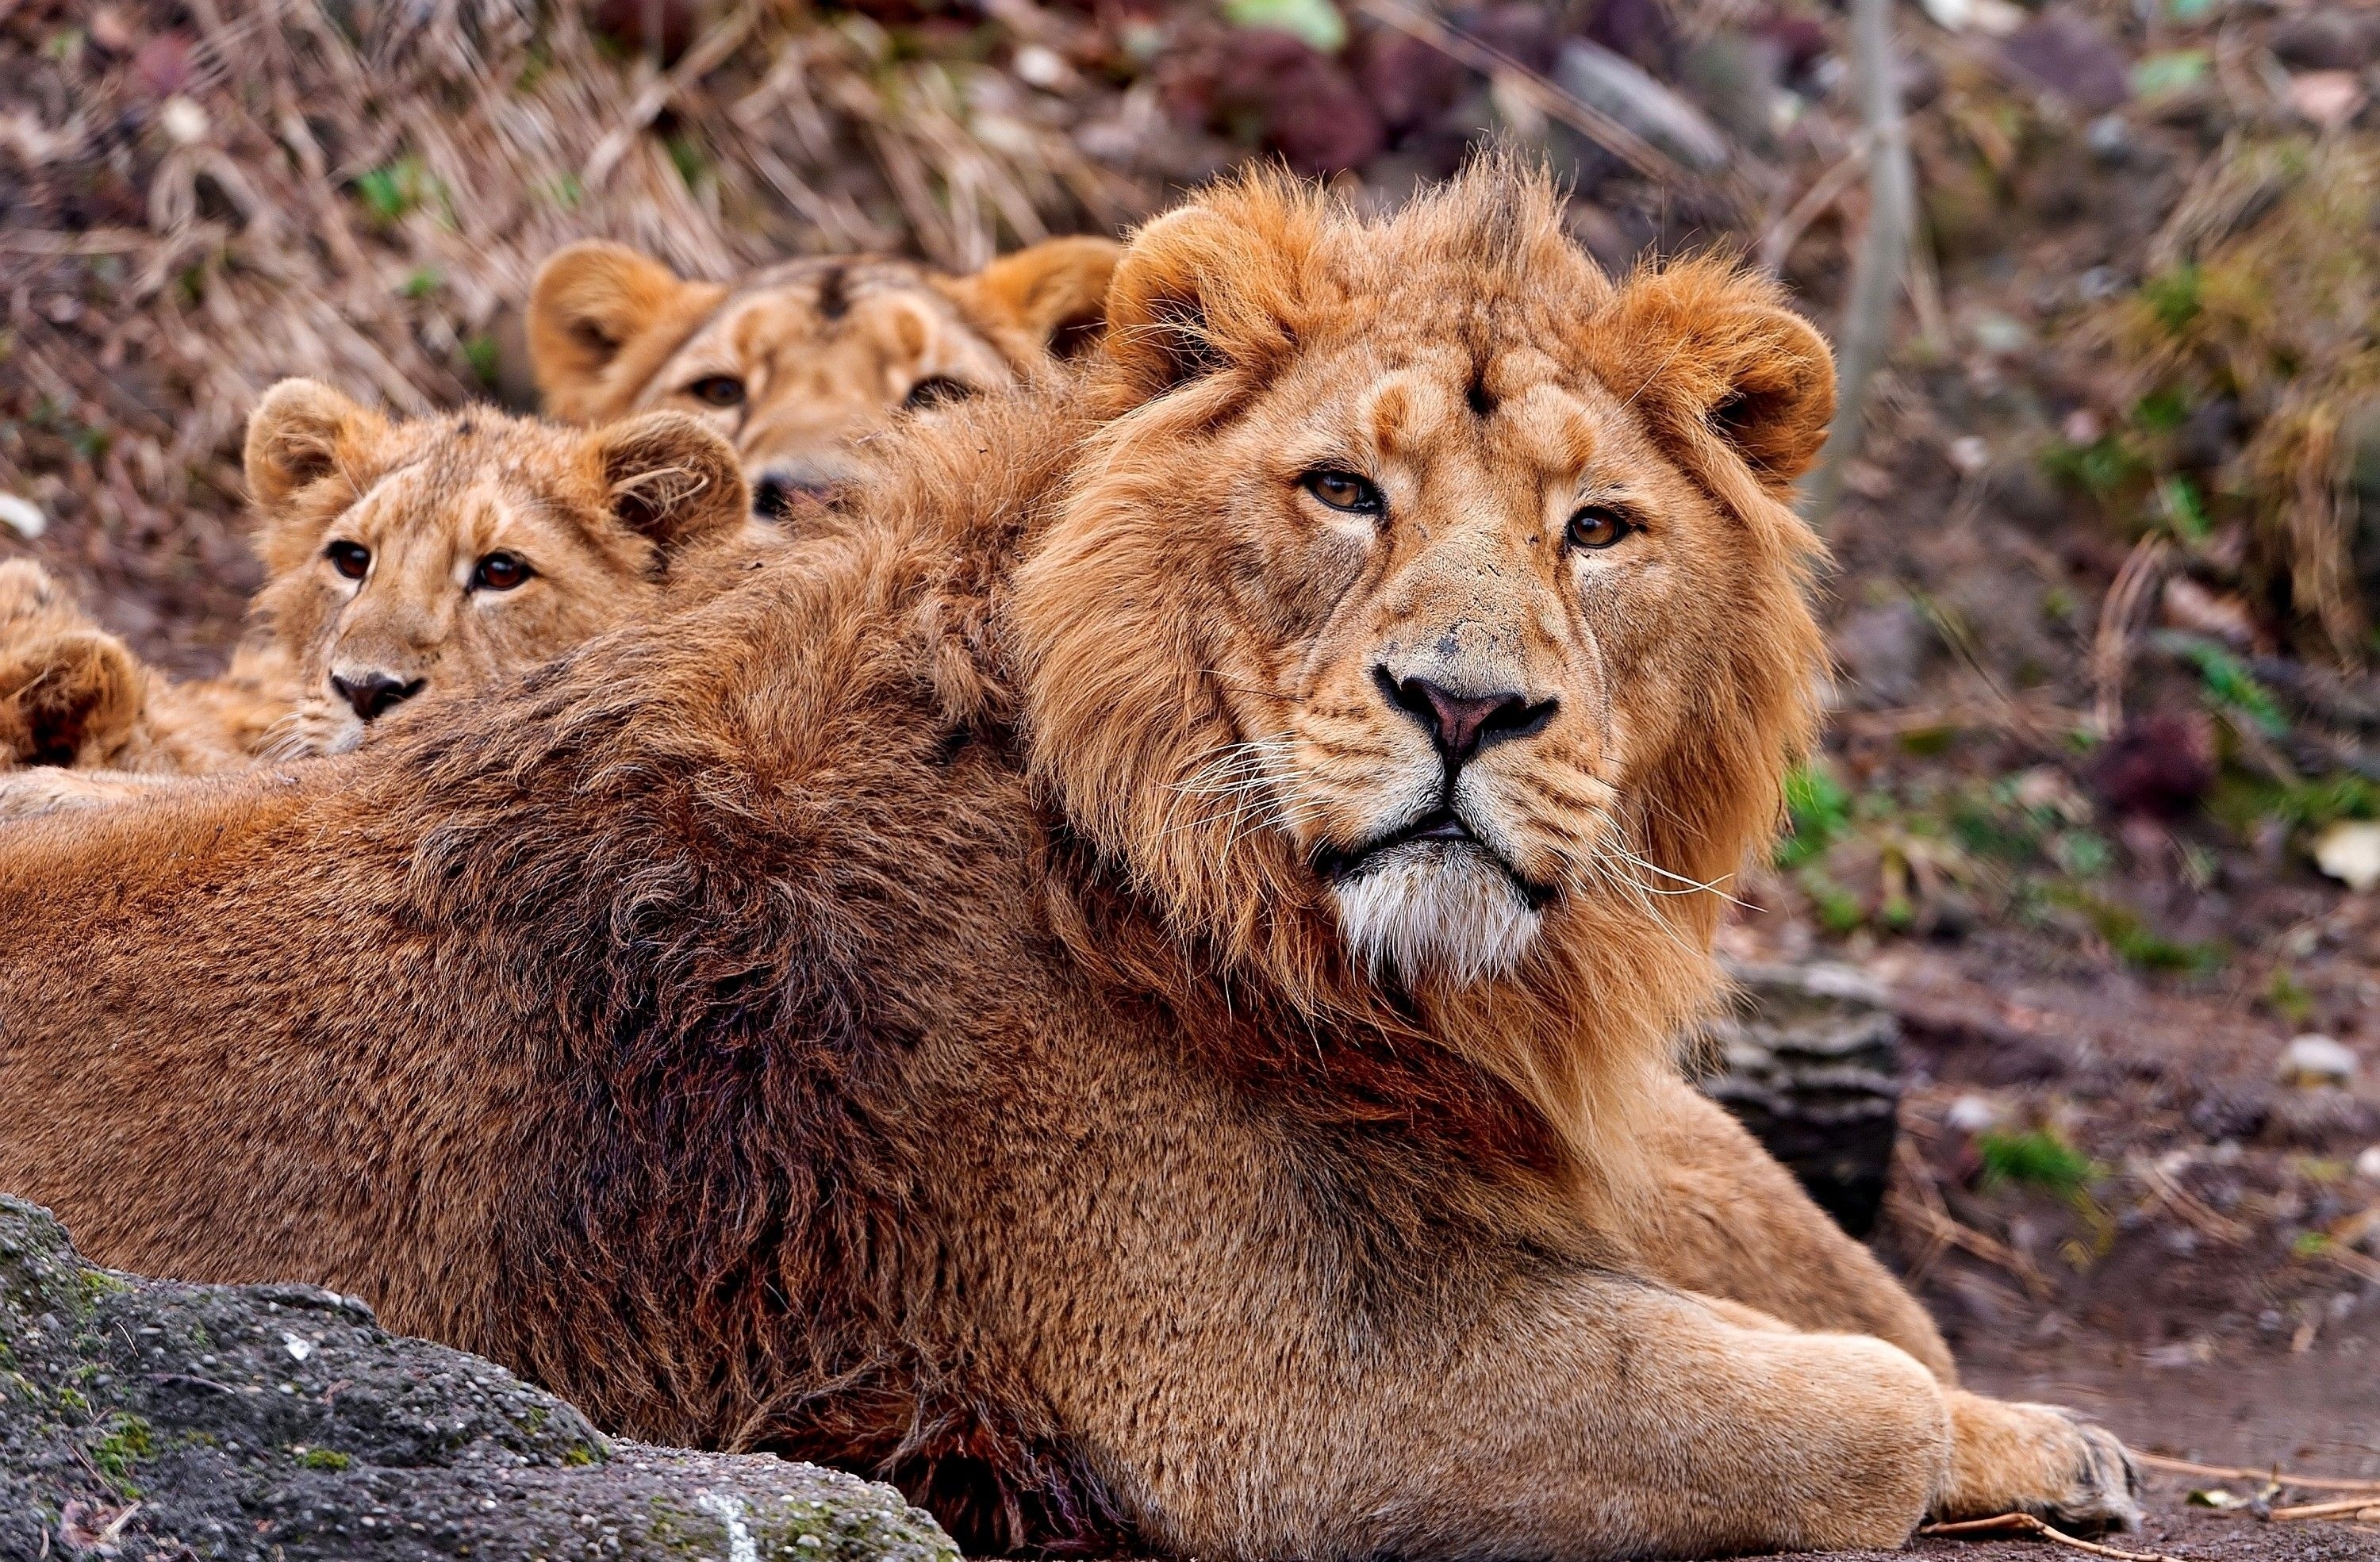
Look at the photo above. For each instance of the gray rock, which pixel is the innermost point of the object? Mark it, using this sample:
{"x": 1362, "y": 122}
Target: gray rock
{"x": 151, "y": 1419}
{"x": 2067, "y": 56}
{"x": 1619, "y": 87}
{"x": 2325, "y": 39}
{"x": 1883, "y": 650}
{"x": 1809, "y": 1060}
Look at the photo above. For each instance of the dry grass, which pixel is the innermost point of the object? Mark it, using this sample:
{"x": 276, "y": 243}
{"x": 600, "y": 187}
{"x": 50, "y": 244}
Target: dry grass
{"x": 2265, "y": 287}
{"x": 252, "y": 189}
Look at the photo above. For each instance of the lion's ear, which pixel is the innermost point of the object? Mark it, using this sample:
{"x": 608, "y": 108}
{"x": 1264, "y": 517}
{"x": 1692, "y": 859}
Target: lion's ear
{"x": 1055, "y": 293}
{"x": 1704, "y": 346}
{"x": 1219, "y": 283}
{"x": 64, "y": 695}
{"x": 588, "y": 302}
{"x": 672, "y": 480}
{"x": 302, "y": 432}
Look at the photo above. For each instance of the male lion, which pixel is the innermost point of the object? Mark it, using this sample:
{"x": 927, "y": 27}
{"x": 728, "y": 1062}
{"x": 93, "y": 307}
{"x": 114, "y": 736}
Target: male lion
{"x": 433, "y": 556}
{"x": 797, "y": 362}
{"x": 1125, "y": 983}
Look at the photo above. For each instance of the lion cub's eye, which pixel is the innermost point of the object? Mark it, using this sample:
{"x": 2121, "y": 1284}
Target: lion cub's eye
{"x": 500, "y": 572}
{"x": 351, "y": 559}
{"x": 1594, "y": 527}
{"x": 1345, "y": 490}
{"x": 935, "y": 389}
{"x": 718, "y": 390}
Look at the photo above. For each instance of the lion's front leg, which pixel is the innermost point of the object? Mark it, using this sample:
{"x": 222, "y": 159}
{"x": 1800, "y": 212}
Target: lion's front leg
{"x": 2014, "y": 1458}
{"x": 1602, "y": 1418}
{"x": 2009, "y": 1458}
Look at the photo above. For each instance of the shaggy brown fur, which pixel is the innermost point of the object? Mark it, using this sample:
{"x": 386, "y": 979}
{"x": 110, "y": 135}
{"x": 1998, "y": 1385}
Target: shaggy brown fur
{"x": 382, "y": 598}
{"x": 797, "y": 363}
{"x": 974, "y": 1004}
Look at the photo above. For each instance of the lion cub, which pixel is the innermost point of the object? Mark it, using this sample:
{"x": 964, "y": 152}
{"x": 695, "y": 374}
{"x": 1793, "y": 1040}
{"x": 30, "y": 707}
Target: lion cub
{"x": 406, "y": 560}
{"x": 796, "y": 363}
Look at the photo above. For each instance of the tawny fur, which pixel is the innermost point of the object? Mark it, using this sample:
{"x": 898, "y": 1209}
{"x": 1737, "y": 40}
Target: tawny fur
{"x": 823, "y": 353}
{"x": 601, "y": 522}
{"x": 800, "y": 362}
{"x": 895, "y": 1012}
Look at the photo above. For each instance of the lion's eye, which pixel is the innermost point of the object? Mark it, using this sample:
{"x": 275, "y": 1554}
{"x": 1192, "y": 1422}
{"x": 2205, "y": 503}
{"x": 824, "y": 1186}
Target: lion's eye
{"x": 1594, "y": 527}
{"x": 935, "y": 389}
{"x": 1345, "y": 490}
{"x": 718, "y": 390}
{"x": 351, "y": 559}
{"x": 500, "y": 572}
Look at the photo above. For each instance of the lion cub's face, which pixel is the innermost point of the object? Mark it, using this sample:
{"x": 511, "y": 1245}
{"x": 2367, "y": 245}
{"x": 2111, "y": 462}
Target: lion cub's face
{"x": 797, "y": 362}
{"x": 432, "y": 558}
{"x": 1462, "y": 573}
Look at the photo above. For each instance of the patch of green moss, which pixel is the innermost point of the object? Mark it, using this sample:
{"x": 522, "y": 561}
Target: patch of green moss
{"x": 2034, "y": 1157}
{"x": 97, "y": 1283}
{"x": 325, "y": 1459}
{"x": 126, "y": 1442}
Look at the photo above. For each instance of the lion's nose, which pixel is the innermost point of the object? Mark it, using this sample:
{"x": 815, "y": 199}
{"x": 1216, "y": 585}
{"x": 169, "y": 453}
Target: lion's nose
{"x": 1460, "y": 723}
{"x": 778, "y": 491}
{"x": 372, "y": 693}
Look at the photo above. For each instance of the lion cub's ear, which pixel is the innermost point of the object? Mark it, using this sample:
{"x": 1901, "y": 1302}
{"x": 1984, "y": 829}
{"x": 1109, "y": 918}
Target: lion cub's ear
{"x": 1055, "y": 293}
{"x": 672, "y": 480}
{"x": 589, "y": 301}
{"x": 302, "y": 432}
{"x": 67, "y": 694}
{"x": 1706, "y": 347}
{"x": 1219, "y": 283}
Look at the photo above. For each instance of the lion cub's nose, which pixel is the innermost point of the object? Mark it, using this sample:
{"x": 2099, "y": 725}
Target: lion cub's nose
{"x": 372, "y": 693}
{"x": 1461, "y": 724}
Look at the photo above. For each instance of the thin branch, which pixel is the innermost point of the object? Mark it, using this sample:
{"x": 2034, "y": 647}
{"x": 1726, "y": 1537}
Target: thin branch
{"x": 2026, "y": 1524}
{"x": 2277, "y": 1476}
{"x": 2343, "y": 1507}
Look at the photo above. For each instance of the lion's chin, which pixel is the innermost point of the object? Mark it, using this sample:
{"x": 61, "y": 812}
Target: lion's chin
{"x": 1428, "y": 909}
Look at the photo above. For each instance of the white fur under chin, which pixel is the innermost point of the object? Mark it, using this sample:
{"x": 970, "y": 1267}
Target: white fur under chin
{"x": 1427, "y": 910}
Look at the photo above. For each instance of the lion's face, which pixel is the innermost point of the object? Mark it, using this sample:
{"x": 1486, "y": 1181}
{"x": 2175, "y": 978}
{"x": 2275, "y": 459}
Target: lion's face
{"x": 434, "y": 558}
{"x": 796, "y": 363}
{"x": 1475, "y": 602}
{"x": 1434, "y": 583}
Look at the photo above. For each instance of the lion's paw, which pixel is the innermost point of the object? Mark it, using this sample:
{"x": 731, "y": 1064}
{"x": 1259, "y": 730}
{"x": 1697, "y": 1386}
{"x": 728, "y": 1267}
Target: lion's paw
{"x": 2039, "y": 1460}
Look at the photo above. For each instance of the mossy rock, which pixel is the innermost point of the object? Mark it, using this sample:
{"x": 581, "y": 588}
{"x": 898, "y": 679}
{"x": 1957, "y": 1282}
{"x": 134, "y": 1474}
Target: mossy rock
{"x": 147, "y": 1419}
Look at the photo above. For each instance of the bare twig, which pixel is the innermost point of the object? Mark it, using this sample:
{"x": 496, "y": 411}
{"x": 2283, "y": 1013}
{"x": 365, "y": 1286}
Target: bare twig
{"x": 2342, "y": 1507}
{"x": 2353, "y": 1262}
{"x": 97, "y": 241}
{"x": 706, "y": 55}
{"x": 2026, "y": 1524}
{"x": 2278, "y": 1476}
{"x": 1884, "y": 252}
{"x": 1777, "y": 243}
{"x": 1923, "y": 1208}
{"x": 2168, "y": 1191}
{"x": 2111, "y": 647}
